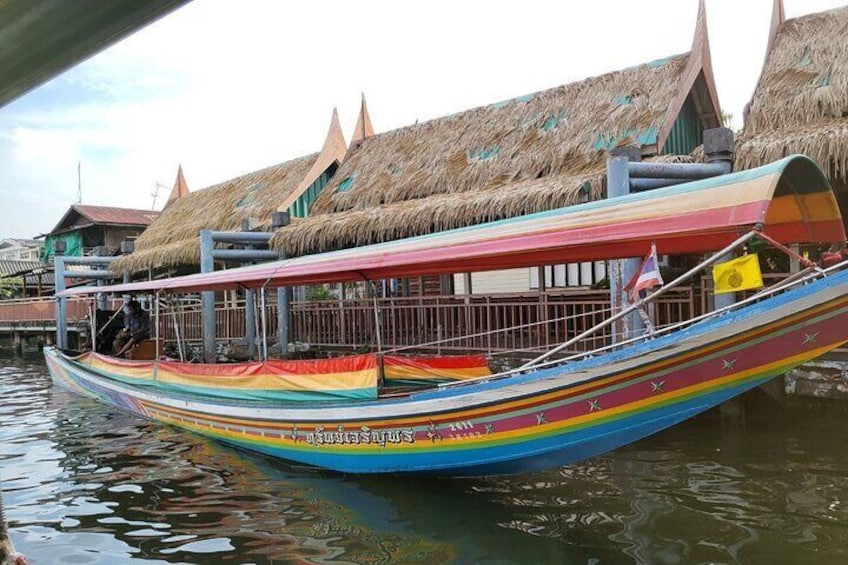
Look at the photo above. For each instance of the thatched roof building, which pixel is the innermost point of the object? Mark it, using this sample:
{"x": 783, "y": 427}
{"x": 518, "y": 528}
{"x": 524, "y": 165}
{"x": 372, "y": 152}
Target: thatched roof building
{"x": 531, "y": 153}
{"x": 173, "y": 240}
{"x": 800, "y": 104}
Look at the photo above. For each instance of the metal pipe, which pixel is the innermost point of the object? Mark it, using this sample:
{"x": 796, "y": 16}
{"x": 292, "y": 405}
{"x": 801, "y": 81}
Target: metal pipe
{"x": 641, "y": 185}
{"x": 245, "y": 255}
{"x": 240, "y": 236}
{"x": 88, "y": 260}
{"x": 88, "y": 274}
{"x": 688, "y": 171}
{"x": 641, "y": 302}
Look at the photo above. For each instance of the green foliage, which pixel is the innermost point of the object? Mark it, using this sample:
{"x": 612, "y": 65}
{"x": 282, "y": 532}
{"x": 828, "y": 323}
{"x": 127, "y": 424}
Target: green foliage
{"x": 318, "y": 292}
{"x": 10, "y": 287}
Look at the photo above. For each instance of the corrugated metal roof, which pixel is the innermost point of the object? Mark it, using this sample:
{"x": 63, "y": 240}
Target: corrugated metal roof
{"x": 105, "y": 215}
{"x": 22, "y": 242}
{"x": 10, "y": 268}
{"x": 113, "y": 215}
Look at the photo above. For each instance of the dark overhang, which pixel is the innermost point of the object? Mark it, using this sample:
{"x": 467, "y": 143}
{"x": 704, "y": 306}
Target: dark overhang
{"x": 39, "y": 39}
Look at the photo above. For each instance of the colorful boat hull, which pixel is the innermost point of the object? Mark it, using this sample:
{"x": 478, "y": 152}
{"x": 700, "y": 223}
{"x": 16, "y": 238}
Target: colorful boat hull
{"x": 542, "y": 419}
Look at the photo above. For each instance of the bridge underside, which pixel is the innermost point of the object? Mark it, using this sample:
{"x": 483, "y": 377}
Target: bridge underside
{"x": 41, "y": 38}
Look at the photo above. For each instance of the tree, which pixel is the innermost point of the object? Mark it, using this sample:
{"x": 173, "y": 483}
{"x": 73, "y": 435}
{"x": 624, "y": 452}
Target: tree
{"x": 10, "y": 287}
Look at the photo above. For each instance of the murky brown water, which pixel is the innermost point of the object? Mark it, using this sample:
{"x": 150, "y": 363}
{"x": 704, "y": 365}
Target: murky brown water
{"x": 85, "y": 483}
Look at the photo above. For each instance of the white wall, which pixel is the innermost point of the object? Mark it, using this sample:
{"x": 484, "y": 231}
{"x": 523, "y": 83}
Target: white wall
{"x": 493, "y": 282}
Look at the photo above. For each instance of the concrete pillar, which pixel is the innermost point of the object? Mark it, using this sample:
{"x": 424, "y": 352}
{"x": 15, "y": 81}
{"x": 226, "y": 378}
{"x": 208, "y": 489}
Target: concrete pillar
{"x": 61, "y": 302}
{"x": 250, "y": 322}
{"x": 283, "y": 308}
{"x": 207, "y": 298}
{"x": 18, "y": 341}
{"x": 718, "y": 147}
{"x": 621, "y": 271}
{"x": 284, "y": 294}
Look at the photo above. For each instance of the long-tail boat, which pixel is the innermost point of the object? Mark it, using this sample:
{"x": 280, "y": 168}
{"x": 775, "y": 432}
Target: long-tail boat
{"x": 549, "y": 412}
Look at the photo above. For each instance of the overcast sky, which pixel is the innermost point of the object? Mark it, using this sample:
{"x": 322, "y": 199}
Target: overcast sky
{"x": 229, "y": 87}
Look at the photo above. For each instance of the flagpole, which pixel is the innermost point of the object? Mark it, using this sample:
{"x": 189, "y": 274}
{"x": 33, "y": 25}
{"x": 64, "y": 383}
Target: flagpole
{"x": 641, "y": 302}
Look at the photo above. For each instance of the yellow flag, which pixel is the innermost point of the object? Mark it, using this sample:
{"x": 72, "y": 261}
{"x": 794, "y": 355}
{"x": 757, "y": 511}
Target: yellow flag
{"x": 742, "y": 273}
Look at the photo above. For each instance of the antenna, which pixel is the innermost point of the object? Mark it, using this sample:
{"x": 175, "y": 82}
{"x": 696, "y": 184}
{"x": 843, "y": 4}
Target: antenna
{"x": 79, "y": 182}
{"x": 155, "y": 194}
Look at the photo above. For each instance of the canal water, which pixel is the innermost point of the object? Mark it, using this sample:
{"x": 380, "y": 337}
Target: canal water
{"x": 85, "y": 483}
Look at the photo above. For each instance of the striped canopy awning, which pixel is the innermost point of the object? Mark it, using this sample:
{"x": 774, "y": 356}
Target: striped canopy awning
{"x": 790, "y": 200}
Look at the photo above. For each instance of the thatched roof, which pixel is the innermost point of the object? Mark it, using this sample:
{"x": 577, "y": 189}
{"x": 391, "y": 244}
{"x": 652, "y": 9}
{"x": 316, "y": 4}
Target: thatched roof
{"x": 801, "y": 102}
{"x": 173, "y": 239}
{"x": 524, "y": 155}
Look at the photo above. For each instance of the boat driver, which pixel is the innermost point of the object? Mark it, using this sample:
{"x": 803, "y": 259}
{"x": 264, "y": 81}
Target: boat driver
{"x": 136, "y": 328}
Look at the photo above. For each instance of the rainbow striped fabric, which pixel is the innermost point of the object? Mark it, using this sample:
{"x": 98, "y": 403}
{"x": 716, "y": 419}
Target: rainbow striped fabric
{"x": 353, "y": 377}
{"x": 412, "y": 370}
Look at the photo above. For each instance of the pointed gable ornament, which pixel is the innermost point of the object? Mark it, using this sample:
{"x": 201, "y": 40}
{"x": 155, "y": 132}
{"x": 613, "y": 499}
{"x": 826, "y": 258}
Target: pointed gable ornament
{"x": 699, "y": 64}
{"x": 180, "y": 188}
{"x": 778, "y": 17}
{"x": 332, "y": 152}
{"x": 363, "y": 129}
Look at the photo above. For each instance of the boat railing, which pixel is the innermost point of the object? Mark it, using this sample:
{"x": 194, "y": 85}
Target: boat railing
{"x": 798, "y": 279}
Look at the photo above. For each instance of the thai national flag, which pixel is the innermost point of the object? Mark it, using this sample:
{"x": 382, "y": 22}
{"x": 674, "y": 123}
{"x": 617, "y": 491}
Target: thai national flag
{"x": 648, "y": 276}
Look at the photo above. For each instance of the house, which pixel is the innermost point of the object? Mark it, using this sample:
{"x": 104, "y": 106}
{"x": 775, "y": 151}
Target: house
{"x": 800, "y": 104}
{"x": 172, "y": 240}
{"x": 24, "y": 278}
{"x": 84, "y": 228}
{"x": 527, "y": 154}
{"x": 16, "y": 249}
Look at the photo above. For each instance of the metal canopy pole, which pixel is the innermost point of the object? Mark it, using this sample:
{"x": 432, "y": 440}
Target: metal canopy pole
{"x": 378, "y": 333}
{"x": 176, "y": 326}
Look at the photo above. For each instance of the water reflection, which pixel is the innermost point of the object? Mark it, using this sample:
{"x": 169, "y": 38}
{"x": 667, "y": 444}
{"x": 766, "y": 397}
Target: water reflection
{"x": 88, "y": 484}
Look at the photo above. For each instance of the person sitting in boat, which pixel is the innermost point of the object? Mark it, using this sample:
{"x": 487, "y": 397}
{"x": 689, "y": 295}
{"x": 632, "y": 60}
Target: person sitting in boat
{"x": 136, "y": 328}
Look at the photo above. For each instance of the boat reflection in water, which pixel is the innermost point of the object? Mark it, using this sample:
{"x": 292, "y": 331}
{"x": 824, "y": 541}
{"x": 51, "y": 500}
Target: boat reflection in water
{"x": 87, "y": 483}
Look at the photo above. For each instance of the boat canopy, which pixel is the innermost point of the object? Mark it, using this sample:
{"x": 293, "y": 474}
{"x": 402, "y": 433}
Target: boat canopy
{"x": 790, "y": 200}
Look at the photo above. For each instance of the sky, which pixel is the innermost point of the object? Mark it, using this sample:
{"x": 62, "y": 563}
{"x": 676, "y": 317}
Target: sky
{"x": 225, "y": 88}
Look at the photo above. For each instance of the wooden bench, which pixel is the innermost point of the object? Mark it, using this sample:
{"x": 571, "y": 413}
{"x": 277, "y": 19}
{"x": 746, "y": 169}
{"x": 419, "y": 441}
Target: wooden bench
{"x": 145, "y": 351}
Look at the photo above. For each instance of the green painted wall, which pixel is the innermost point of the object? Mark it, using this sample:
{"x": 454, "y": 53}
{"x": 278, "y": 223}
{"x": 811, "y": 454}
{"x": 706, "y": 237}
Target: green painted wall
{"x": 300, "y": 208}
{"x": 687, "y": 132}
{"x": 73, "y": 245}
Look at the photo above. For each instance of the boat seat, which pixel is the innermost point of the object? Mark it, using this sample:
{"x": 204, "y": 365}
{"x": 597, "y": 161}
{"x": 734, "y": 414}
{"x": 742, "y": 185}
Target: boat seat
{"x": 145, "y": 350}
